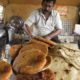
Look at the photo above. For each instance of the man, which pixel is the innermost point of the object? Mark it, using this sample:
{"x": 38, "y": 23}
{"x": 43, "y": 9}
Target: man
{"x": 46, "y": 21}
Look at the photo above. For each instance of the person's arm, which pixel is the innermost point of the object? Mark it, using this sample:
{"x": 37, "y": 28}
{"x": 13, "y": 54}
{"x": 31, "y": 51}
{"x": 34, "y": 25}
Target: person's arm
{"x": 28, "y": 23}
{"x": 27, "y": 29}
{"x": 58, "y": 27}
{"x": 53, "y": 34}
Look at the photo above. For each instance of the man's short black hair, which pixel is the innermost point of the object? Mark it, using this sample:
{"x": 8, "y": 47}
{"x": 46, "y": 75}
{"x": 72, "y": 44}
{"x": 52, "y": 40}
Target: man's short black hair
{"x": 54, "y": 1}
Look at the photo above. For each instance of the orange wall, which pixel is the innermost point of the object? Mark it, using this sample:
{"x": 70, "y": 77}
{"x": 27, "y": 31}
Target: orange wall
{"x": 25, "y": 10}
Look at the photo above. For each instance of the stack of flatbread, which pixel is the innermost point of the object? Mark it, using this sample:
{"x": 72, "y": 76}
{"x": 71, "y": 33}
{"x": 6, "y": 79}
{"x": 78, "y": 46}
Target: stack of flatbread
{"x": 70, "y": 53}
{"x": 33, "y": 57}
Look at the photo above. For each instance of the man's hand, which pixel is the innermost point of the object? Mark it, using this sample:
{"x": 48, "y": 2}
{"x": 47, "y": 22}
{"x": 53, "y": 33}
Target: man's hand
{"x": 53, "y": 34}
{"x": 47, "y": 37}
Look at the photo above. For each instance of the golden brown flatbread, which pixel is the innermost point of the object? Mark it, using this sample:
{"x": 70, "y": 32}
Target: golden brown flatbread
{"x": 29, "y": 62}
{"x": 43, "y": 75}
{"x": 14, "y": 50}
{"x": 5, "y": 70}
{"x": 35, "y": 45}
{"x": 49, "y": 42}
{"x": 48, "y": 62}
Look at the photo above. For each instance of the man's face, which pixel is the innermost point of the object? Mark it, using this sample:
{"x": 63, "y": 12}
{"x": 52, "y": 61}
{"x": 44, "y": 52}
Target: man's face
{"x": 47, "y": 6}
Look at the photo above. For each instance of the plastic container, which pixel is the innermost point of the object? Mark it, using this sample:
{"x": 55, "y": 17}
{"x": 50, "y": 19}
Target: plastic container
{"x": 7, "y": 51}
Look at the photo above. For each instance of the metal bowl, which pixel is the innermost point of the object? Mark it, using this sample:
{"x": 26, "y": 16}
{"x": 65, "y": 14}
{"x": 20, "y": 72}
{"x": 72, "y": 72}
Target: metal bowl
{"x": 16, "y": 21}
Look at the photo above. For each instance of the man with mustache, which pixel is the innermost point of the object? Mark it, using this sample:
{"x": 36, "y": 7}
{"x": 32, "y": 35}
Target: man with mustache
{"x": 46, "y": 21}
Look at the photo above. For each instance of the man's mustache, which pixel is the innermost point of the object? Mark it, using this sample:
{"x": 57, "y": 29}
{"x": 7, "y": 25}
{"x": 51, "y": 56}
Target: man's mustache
{"x": 45, "y": 10}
